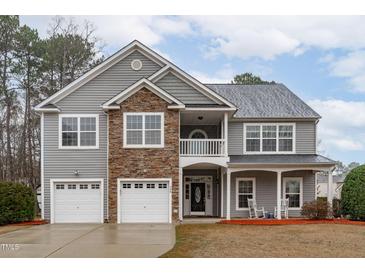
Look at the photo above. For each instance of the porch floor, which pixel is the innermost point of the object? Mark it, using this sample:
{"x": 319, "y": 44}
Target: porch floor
{"x": 202, "y": 220}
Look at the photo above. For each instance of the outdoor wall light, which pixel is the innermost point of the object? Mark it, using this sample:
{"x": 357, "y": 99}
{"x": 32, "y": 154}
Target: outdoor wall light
{"x": 200, "y": 117}
{"x": 76, "y": 172}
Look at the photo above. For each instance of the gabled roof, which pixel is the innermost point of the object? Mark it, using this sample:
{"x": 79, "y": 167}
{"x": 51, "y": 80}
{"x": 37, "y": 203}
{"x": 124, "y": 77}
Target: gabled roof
{"x": 91, "y": 74}
{"x": 114, "y": 102}
{"x": 49, "y": 108}
{"x": 118, "y": 56}
{"x": 182, "y": 75}
{"x": 264, "y": 101}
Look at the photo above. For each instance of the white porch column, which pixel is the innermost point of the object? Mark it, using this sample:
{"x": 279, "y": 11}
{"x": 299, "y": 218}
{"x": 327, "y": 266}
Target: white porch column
{"x": 278, "y": 195}
{"x": 226, "y": 133}
{"x": 181, "y": 194}
{"x": 330, "y": 187}
{"x": 222, "y": 182}
{"x": 228, "y": 215}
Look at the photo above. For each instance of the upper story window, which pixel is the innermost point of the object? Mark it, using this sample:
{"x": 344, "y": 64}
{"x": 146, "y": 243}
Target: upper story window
{"x": 79, "y": 131}
{"x": 143, "y": 129}
{"x": 269, "y": 138}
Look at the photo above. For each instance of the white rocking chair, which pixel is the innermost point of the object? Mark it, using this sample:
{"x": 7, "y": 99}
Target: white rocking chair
{"x": 284, "y": 208}
{"x": 253, "y": 211}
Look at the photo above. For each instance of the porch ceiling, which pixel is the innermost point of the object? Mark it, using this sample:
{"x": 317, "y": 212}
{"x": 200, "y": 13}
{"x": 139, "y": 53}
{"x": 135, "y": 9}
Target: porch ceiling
{"x": 202, "y": 166}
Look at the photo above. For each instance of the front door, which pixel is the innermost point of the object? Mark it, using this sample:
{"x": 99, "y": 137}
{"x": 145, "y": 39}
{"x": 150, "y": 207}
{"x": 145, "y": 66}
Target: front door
{"x": 197, "y": 197}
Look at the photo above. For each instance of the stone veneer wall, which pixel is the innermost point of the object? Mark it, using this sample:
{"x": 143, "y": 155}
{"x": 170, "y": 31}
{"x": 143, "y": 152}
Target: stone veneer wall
{"x": 143, "y": 163}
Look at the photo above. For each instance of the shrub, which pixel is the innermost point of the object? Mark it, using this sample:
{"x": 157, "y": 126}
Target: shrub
{"x": 324, "y": 199}
{"x": 317, "y": 209}
{"x": 336, "y": 208}
{"x": 17, "y": 203}
{"x": 353, "y": 194}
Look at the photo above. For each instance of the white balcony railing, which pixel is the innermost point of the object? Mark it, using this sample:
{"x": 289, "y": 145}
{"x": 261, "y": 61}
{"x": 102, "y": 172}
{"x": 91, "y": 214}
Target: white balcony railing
{"x": 202, "y": 147}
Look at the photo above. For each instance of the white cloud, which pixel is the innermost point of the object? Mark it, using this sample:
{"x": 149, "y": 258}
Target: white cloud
{"x": 234, "y": 36}
{"x": 116, "y": 31}
{"x": 224, "y": 75}
{"x": 352, "y": 67}
{"x": 347, "y": 144}
{"x": 269, "y": 36}
{"x": 342, "y": 125}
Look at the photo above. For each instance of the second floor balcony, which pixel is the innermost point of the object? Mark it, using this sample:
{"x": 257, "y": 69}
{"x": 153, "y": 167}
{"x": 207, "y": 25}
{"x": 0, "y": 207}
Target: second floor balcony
{"x": 203, "y": 134}
{"x": 202, "y": 147}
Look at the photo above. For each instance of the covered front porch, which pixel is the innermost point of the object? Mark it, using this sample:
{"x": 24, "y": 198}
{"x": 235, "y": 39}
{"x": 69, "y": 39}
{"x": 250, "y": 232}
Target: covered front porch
{"x": 210, "y": 190}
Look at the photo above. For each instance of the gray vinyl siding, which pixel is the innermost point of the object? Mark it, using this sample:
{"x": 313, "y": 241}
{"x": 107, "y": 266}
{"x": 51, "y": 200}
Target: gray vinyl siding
{"x": 182, "y": 91}
{"x": 108, "y": 84}
{"x": 305, "y": 138}
{"x": 61, "y": 163}
{"x": 235, "y": 138}
{"x": 266, "y": 190}
{"x": 91, "y": 163}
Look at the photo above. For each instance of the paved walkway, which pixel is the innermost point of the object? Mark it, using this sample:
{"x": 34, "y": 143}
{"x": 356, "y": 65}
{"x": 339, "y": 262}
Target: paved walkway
{"x": 89, "y": 240}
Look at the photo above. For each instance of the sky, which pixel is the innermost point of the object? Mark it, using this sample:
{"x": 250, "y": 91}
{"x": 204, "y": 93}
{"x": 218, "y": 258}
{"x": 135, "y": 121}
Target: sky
{"x": 320, "y": 58}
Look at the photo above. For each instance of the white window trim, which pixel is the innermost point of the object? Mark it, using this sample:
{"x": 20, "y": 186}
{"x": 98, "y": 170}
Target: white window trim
{"x": 78, "y": 116}
{"x": 253, "y": 179}
{"x": 143, "y": 145}
{"x": 285, "y": 179}
{"x": 277, "y": 138}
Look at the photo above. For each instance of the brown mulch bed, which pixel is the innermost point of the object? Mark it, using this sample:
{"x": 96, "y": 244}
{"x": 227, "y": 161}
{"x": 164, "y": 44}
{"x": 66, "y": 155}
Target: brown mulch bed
{"x": 22, "y": 225}
{"x": 35, "y": 222}
{"x": 291, "y": 221}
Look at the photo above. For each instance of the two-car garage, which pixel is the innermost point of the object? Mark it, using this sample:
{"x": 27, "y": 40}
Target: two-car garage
{"x": 138, "y": 201}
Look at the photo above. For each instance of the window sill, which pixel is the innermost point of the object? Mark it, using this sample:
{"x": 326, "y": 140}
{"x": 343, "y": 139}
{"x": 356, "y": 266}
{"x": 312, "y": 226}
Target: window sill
{"x": 242, "y": 209}
{"x": 142, "y": 147}
{"x": 294, "y": 208}
{"x": 78, "y": 148}
{"x": 269, "y": 153}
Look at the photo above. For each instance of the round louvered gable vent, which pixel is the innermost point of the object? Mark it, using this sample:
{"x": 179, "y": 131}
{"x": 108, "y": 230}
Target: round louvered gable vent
{"x": 136, "y": 64}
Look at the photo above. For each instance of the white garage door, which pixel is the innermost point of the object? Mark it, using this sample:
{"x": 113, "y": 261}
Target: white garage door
{"x": 76, "y": 202}
{"x": 144, "y": 202}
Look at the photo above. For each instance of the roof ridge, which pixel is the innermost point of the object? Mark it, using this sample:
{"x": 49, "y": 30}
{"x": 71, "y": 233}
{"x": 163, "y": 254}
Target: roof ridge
{"x": 234, "y": 84}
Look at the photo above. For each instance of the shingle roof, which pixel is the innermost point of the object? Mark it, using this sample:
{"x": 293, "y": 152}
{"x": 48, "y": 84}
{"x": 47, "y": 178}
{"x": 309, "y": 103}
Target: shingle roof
{"x": 280, "y": 159}
{"x": 264, "y": 101}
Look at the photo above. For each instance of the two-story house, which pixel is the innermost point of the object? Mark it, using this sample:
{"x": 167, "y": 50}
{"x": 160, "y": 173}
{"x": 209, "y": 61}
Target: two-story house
{"x": 137, "y": 139}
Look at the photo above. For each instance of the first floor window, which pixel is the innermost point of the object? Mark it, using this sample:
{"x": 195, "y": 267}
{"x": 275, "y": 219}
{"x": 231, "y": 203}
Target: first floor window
{"x": 143, "y": 129}
{"x": 78, "y": 131}
{"x": 293, "y": 188}
{"x": 245, "y": 190}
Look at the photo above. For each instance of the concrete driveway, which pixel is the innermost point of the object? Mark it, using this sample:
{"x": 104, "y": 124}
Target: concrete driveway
{"x": 89, "y": 240}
